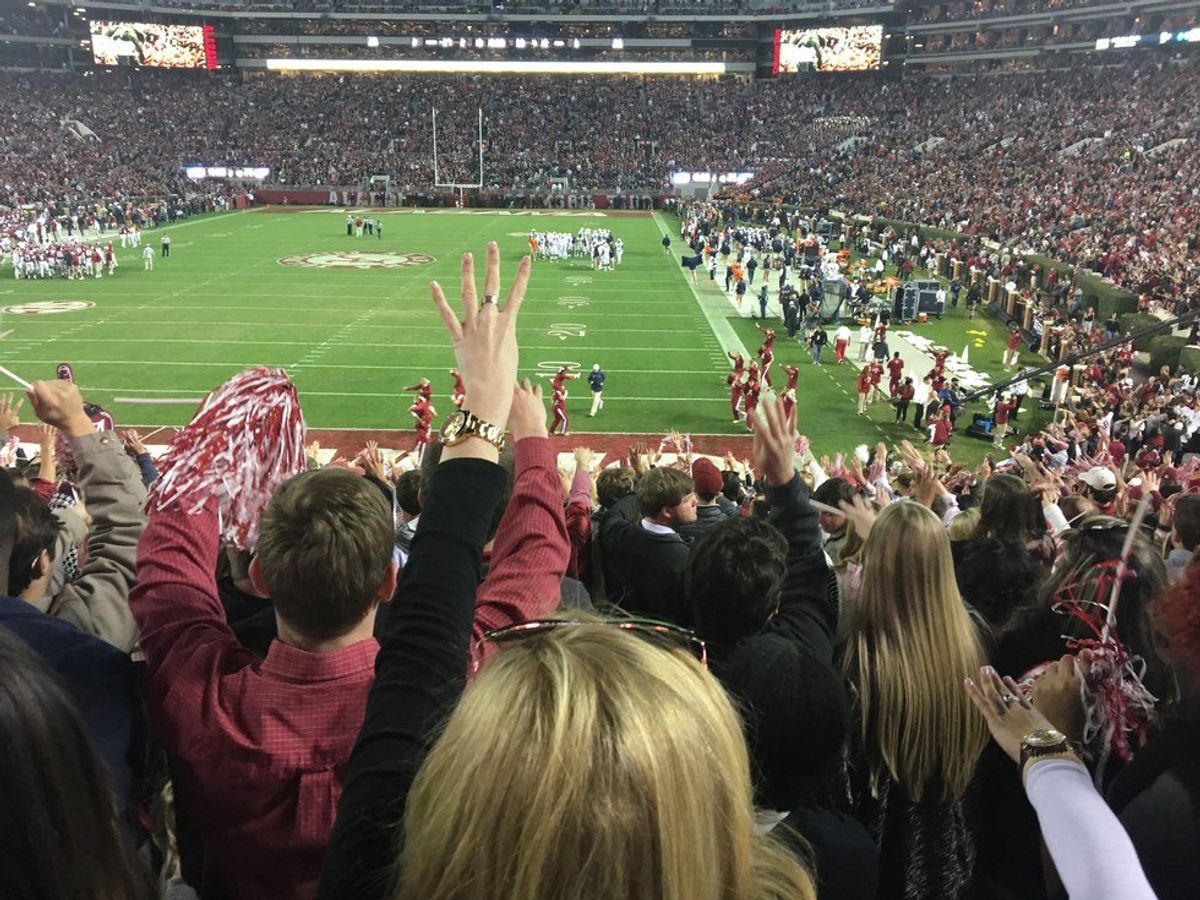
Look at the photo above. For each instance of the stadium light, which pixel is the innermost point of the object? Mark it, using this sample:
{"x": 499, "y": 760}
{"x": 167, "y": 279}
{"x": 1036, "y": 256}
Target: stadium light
{"x": 497, "y": 67}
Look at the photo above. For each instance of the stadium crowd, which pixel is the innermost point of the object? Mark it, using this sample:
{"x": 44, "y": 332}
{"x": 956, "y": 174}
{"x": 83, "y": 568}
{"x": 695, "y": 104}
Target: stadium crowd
{"x": 666, "y": 676}
{"x": 968, "y": 153}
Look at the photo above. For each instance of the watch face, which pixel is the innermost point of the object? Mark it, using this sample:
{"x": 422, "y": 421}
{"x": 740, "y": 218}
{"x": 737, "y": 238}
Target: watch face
{"x": 1044, "y": 737}
{"x": 453, "y": 426}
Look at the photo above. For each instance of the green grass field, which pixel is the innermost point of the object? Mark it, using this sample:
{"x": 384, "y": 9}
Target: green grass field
{"x": 351, "y": 338}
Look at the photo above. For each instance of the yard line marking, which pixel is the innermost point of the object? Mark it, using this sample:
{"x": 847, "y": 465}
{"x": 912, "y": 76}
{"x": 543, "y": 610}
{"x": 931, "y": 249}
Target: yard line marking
{"x": 380, "y": 367}
{"x": 395, "y": 394}
{"x": 337, "y": 328}
{"x": 174, "y": 401}
{"x": 392, "y": 345}
{"x": 429, "y": 312}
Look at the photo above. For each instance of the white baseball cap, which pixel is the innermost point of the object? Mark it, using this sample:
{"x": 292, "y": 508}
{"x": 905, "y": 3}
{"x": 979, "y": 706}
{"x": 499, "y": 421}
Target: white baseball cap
{"x": 1099, "y": 478}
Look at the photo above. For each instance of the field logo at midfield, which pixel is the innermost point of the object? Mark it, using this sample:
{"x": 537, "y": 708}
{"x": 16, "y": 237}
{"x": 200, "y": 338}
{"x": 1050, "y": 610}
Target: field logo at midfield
{"x": 47, "y": 307}
{"x": 354, "y": 259}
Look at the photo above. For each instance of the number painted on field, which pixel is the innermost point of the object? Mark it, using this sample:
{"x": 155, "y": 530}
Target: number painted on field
{"x": 564, "y": 330}
{"x": 573, "y": 302}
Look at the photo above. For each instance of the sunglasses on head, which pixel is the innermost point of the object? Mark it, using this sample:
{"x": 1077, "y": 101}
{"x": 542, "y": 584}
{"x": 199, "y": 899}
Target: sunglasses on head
{"x": 662, "y": 634}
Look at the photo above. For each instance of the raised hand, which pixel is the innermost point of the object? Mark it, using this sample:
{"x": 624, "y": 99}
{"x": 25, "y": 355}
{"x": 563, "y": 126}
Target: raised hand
{"x": 485, "y": 343}
{"x": 133, "y": 442}
{"x": 9, "y": 418}
{"x": 527, "y": 417}
{"x": 774, "y": 442}
{"x": 372, "y": 458}
{"x": 861, "y": 513}
{"x": 58, "y": 403}
{"x": 584, "y": 458}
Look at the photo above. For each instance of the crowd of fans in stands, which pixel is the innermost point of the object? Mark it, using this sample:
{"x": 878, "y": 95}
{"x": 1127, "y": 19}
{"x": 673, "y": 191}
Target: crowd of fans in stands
{"x": 982, "y": 9}
{"x": 404, "y": 688}
{"x": 969, "y": 154}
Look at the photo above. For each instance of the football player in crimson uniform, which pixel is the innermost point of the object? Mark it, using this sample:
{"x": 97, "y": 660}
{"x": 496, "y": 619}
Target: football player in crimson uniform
{"x": 459, "y": 394}
{"x": 940, "y": 355}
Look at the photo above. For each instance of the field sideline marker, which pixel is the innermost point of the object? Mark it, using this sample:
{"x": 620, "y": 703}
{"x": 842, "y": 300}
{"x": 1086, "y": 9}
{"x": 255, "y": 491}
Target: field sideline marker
{"x": 720, "y": 326}
{"x": 175, "y": 401}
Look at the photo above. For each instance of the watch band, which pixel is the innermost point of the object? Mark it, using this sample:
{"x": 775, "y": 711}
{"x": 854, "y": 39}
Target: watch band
{"x": 1044, "y": 742}
{"x": 473, "y": 426}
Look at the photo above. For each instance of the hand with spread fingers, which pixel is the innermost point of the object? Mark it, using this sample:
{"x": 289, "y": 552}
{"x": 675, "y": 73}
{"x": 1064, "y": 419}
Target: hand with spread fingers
{"x": 774, "y": 442}
{"x": 485, "y": 344}
{"x": 527, "y": 418}
{"x": 1010, "y": 714}
{"x": 9, "y": 412}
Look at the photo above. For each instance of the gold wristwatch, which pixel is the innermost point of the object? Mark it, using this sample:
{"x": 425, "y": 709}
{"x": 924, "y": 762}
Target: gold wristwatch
{"x": 1044, "y": 742}
{"x": 464, "y": 424}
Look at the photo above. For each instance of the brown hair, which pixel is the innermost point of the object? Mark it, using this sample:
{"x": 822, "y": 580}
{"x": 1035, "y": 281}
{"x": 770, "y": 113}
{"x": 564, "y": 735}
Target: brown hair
{"x": 662, "y": 487}
{"x": 613, "y": 484}
{"x": 324, "y": 547}
{"x": 1187, "y": 520}
{"x": 1008, "y": 510}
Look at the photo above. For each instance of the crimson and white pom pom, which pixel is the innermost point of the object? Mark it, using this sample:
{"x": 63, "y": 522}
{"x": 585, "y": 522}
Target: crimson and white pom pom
{"x": 245, "y": 441}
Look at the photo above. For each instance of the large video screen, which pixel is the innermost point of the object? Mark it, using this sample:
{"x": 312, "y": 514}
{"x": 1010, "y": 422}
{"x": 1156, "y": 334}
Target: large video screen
{"x": 854, "y": 49}
{"x": 147, "y": 44}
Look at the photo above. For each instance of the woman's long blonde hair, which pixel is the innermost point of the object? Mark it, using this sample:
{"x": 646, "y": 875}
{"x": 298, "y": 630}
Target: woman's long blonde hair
{"x": 588, "y": 764}
{"x": 911, "y": 643}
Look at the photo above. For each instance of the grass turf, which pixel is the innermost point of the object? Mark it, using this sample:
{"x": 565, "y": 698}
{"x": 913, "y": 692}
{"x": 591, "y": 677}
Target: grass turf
{"x": 352, "y": 338}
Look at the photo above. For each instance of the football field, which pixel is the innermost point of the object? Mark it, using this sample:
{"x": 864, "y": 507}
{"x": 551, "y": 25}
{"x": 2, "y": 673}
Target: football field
{"x": 351, "y": 321}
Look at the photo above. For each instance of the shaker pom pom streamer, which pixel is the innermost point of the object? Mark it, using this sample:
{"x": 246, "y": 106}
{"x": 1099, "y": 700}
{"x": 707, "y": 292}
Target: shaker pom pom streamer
{"x": 246, "y": 439}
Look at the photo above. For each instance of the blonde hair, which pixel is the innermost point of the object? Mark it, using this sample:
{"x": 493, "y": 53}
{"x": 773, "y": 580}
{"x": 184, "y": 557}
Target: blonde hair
{"x": 911, "y": 643}
{"x": 588, "y": 764}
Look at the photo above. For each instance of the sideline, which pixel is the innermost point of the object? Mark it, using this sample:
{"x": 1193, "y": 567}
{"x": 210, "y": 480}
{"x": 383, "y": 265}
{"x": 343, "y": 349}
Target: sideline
{"x": 713, "y": 308}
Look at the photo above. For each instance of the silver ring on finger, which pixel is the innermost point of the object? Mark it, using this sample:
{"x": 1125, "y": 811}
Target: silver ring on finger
{"x": 1008, "y": 699}
{"x": 490, "y": 298}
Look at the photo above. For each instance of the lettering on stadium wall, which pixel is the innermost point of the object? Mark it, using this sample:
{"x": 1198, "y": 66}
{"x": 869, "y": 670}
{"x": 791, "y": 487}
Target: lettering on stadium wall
{"x": 353, "y": 259}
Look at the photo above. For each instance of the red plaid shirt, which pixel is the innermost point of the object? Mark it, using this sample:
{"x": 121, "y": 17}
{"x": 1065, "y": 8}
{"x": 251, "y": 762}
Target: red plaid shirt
{"x": 257, "y": 747}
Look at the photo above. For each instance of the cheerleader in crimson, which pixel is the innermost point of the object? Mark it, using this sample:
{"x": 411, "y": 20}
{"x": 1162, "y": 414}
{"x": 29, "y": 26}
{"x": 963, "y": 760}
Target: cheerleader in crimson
{"x": 766, "y": 353}
{"x": 558, "y": 408}
{"x": 423, "y": 412}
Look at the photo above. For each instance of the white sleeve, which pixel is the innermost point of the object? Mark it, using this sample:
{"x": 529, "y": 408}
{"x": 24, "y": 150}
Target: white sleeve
{"x": 1093, "y": 854}
{"x": 1055, "y": 519}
